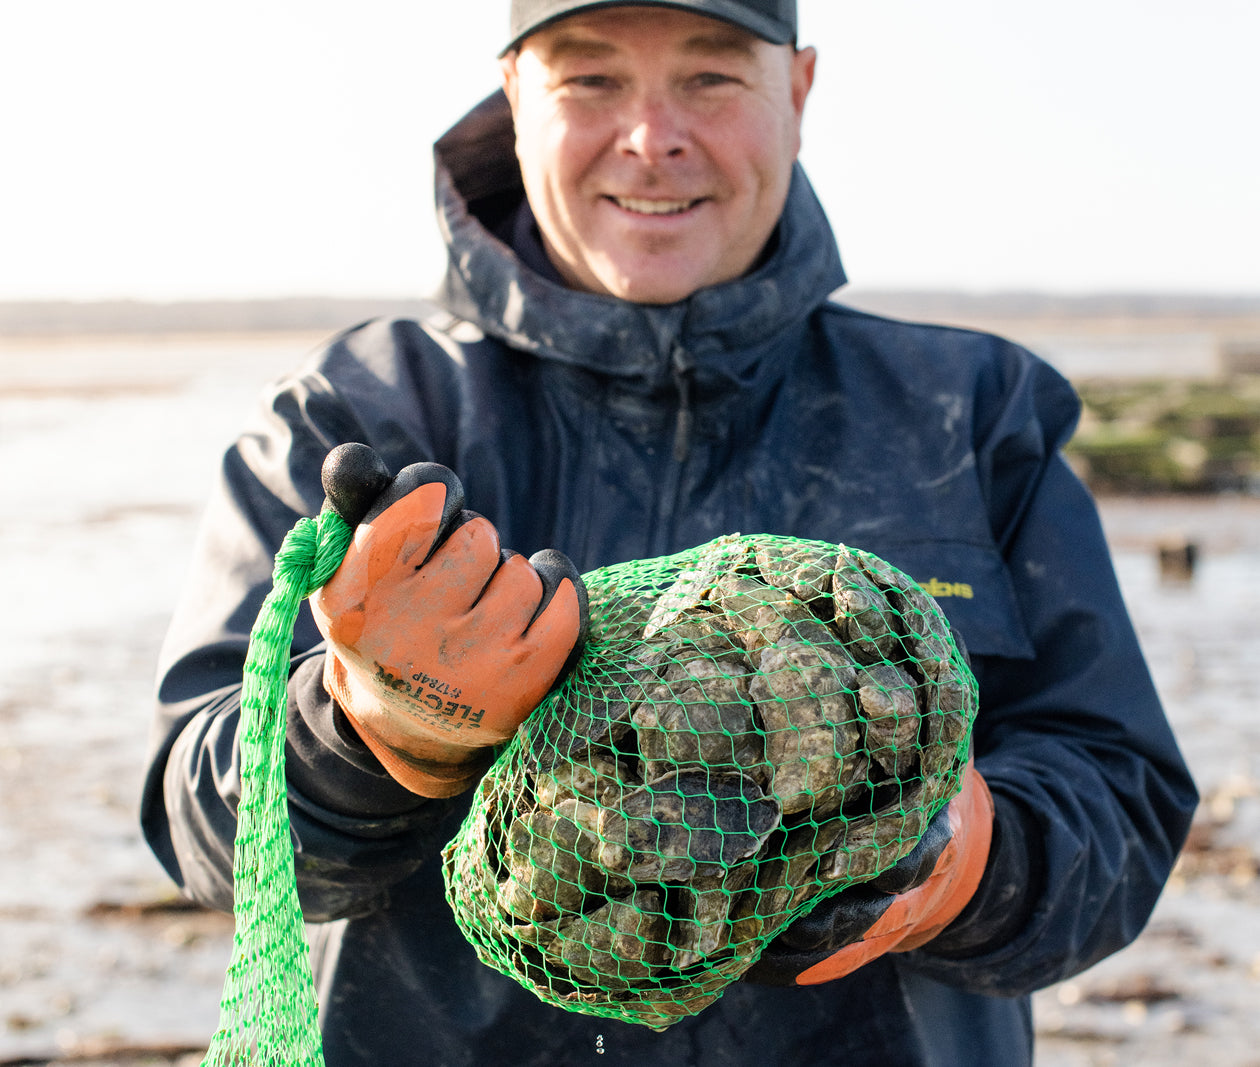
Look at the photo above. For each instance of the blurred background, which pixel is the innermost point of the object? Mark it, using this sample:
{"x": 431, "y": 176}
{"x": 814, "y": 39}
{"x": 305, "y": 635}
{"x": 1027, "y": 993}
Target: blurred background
{"x": 193, "y": 197}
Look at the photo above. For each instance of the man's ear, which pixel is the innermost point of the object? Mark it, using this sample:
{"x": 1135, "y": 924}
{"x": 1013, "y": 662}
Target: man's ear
{"x": 507, "y": 68}
{"x": 803, "y": 63}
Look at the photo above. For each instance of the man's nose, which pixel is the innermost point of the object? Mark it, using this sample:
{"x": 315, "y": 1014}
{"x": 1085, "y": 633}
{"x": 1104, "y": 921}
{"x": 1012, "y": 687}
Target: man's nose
{"x": 654, "y": 131}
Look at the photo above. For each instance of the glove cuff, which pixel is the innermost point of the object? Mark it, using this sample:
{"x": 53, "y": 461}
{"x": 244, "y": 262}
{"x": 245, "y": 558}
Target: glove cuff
{"x": 428, "y": 768}
{"x": 1010, "y": 885}
{"x": 963, "y": 863}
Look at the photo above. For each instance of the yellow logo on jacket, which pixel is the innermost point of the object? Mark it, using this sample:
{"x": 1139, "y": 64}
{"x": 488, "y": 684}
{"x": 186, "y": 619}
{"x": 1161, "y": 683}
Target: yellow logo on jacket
{"x": 934, "y": 587}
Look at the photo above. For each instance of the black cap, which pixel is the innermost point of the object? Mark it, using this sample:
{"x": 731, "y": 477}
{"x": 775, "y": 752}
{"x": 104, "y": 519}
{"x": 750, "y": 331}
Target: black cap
{"x": 771, "y": 20}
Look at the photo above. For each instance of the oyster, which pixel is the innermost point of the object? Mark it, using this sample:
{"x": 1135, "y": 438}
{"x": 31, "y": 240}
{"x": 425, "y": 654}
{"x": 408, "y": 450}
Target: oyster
{"x": 699, "y": 713}
{"x": 890, "y": 717}
{"x": 862, "y": 616}
{"x": 687, "y": 826}
{"x": 803, "y": 569}
{"x": 786, "y": 878}
{"x": 760, "y": 614}
{"x": 616, "y": 945}
{"x": 691, "y": 588}
{"x": 549, "y": 862}
{"x": 924, "y": 633}
{"x": 702, "y": 926}
{"x": 804, "y": 693}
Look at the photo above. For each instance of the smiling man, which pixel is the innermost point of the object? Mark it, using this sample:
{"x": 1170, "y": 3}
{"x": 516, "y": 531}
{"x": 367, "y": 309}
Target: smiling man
{"x": 656, "y": 152}
{"x": 636, "y": 350}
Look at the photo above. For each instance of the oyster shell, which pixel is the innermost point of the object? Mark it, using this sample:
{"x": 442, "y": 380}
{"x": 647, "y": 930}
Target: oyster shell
{"x": 688, "y": 826}
{"x": 872, "y": 843}
{"x": 803, "y": 569}
{"x": 550, "y": 863}
{"x": 617, "y": 944}
{"x": 786, "y": 878}
{"x": 760, "y": 614}
{"x": 923, "y": 630}
{"x": 699, "y": 713}
{"x": 890, "y": 717}
{"x": 862, "y": 614}
{"x": 804, "y": 694}
{"x": 692, "y": 587}
{"x": 702, "y": 926}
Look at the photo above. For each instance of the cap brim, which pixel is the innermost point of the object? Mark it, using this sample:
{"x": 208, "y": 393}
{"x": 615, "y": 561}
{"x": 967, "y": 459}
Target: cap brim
{"x": 775, "y": 31}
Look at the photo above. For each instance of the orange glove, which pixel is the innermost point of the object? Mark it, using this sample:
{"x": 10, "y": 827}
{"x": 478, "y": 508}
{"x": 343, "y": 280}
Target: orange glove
{"x": 439, "y": 643}
{"x": 901, "y": 909}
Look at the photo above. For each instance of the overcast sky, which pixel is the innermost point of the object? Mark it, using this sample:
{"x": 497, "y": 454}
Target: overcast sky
{"x": 168, "y": 149}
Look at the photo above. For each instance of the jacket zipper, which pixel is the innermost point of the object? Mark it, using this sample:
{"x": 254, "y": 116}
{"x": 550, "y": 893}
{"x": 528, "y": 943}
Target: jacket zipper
{"x": 683, "y": 368}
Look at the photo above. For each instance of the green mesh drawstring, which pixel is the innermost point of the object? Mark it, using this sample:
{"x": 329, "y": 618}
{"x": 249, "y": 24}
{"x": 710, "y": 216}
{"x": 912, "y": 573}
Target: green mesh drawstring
{"x": 267, "y": 1014}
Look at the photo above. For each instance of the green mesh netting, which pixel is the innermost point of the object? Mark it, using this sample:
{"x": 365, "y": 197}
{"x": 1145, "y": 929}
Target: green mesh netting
{"x": 755, "y": 724}
{"x": 267, "y": 1015}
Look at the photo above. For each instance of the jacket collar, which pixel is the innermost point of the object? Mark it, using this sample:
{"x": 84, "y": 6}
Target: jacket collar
{"x": 478, "y": 186}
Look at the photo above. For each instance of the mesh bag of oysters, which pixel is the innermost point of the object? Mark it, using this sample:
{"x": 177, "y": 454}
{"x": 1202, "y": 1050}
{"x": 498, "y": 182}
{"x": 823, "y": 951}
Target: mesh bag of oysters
{"x": 755, "y": 724}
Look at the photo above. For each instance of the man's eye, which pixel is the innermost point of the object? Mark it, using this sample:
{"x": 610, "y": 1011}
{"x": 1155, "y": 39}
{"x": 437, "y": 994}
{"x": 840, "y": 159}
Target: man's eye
{"x": 712, "y": 79}
{"x": 591, "y": 81}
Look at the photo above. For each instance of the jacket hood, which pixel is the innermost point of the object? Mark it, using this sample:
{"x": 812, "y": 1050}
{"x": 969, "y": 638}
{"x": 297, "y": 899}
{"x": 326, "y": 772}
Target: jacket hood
{"x": 478, "y": 185}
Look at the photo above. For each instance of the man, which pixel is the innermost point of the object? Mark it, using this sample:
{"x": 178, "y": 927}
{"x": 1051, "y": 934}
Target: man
{"x": 634, "y": 352}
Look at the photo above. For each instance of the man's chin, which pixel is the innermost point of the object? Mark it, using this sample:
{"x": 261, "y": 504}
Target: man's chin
{"x": 665, "y": 273}
{"x": 659, "y": 284}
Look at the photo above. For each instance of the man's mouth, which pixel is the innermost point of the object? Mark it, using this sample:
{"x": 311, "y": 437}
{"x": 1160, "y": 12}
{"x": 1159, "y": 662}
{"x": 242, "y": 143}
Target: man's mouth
{"x": 653, "y": 207}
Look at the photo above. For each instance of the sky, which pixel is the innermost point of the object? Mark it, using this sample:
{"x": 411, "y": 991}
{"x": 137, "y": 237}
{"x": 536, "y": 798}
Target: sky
{"x": 163, "y": 149}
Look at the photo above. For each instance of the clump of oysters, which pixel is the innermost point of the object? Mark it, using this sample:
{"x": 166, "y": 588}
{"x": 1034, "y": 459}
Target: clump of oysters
{"x": 762, "y": 723}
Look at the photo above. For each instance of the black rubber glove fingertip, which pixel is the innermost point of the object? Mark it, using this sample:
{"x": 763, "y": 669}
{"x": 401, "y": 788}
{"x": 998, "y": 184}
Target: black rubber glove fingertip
{"x": 353, "y": 476}
{"x": 553, "y": 567}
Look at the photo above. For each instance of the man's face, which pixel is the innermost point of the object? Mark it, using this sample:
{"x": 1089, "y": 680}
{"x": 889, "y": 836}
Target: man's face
{"x": 656, "y": 146}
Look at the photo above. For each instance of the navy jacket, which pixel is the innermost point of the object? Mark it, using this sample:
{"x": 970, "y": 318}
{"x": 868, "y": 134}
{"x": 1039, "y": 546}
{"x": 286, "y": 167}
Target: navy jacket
{"x": 614, "y": 431}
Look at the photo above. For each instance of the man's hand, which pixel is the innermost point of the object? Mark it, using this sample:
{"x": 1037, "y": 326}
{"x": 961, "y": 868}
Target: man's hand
{"x": 901, "y": 909}
{"x": 439, "y": 643}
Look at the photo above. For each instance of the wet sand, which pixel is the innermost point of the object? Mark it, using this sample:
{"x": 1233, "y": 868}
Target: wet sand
{"x": 107, "y": 449}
